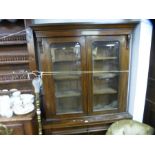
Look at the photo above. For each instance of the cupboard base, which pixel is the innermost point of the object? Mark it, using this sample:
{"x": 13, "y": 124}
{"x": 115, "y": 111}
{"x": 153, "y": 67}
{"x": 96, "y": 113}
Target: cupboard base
{"x": 21, "y": 125}
{"x": 90, "y": 125}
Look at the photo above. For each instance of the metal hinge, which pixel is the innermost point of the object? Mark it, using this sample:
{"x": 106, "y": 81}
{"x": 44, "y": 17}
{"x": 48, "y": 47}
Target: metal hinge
{"x": 128, "y": 38}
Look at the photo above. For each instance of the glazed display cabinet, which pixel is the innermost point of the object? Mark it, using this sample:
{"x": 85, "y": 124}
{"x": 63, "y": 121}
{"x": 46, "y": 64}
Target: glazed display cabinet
{"x": 86, "y": 75}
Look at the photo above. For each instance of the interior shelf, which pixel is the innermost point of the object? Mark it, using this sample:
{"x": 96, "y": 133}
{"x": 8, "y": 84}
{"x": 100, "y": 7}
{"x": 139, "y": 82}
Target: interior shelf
{"x": 68, "y": 94}
{"x": 66, "y": 77}
{"x": 104, "y": 58}
{"x": 104, "y": 75}
{"x": 66, "y": 60}
{"x": 105, "y": 91}
{"x": 105, "y": 108}
{"x": 69, "y": 111}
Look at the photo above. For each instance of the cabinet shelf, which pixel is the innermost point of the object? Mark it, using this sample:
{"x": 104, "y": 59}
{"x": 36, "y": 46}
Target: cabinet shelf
{"x": 105, "y": 109}
{"x": 104, "y": 75}
{"x": 65, "y": 60}
{"x": 67, "y": 94}
{"x": 66, "y": 77}
{"x": 104, "y": 58}
{"x": 69, "y": 112}
{"x": 6, "y": 78}
{"x": 16, "y": 58}
{"x": 14, "y": 118}
{"x": 105, "y": 91}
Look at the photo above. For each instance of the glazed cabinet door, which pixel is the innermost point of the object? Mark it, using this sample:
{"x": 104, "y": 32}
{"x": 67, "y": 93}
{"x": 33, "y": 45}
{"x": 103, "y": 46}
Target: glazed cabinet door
{"x": 108, "y": 64}
{"x": 64, "y": 84}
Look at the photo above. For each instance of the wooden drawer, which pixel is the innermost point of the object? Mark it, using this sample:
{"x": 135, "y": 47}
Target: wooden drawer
{"x": 66, "y": 131}
{"x": 16, "y": 128}
{"x": 83, "y": 125}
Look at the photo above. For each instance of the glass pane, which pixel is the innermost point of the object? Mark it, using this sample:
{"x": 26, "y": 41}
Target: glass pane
{"x": 105, "y": 55}
{"x": 66, "y": 59}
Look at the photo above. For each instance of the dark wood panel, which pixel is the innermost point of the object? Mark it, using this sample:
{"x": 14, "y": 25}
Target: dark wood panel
{"x": 70, "y": 33}
{"x": 95, "y": 125}
{"x": 149, "y": 113}
{"x": 84, "y": 120}
{"x": 16, "y": 128}
{"x": 64, "y": 26}
{"x": 151, "y": 90}
{"x": 31, "y": 49}
{"x": 21, "y": 124}
{"x": 66, "y": 131}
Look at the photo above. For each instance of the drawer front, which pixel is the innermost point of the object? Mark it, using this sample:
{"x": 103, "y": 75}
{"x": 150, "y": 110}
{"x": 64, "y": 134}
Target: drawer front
{"x": 22, "y": 127}
{"x": 16, "y": 128}
{"x": 66, "y": 131}
{"x": 84, "y": 130}
{"x": 97, "y": 124}
{"x": 99, "y": 129}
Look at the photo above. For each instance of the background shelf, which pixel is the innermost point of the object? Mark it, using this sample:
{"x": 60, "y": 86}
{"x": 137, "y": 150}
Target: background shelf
{"x": 22, "y": 91}
{"x": 13, "y": 42}
{"x": 14, "y": 81}
{"x": 14, "y": 62}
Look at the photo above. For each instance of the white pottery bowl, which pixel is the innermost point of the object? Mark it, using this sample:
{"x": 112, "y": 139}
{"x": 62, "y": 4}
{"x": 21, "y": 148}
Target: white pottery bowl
{"x": 27, "y": 97}
{"x": 21, "y": 110}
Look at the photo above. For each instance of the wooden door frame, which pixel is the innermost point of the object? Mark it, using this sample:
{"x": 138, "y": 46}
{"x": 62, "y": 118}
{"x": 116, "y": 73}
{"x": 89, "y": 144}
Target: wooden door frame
{"x": 47, "y": 62}
{"x": 123, "y": 80}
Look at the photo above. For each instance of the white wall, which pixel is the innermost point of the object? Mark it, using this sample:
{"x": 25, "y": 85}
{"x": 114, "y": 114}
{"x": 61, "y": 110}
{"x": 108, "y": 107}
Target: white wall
{"x": 141, "y": 45}
{"x": 103, "y": 21}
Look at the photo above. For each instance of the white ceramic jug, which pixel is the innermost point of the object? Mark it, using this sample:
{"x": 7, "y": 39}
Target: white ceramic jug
{"x": 5, "y": 106}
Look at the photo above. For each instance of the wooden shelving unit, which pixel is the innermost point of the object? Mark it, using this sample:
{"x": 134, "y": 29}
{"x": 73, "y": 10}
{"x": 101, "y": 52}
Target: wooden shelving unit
{"x": 14, "y": 53}
{"x": 14, "y": 65}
